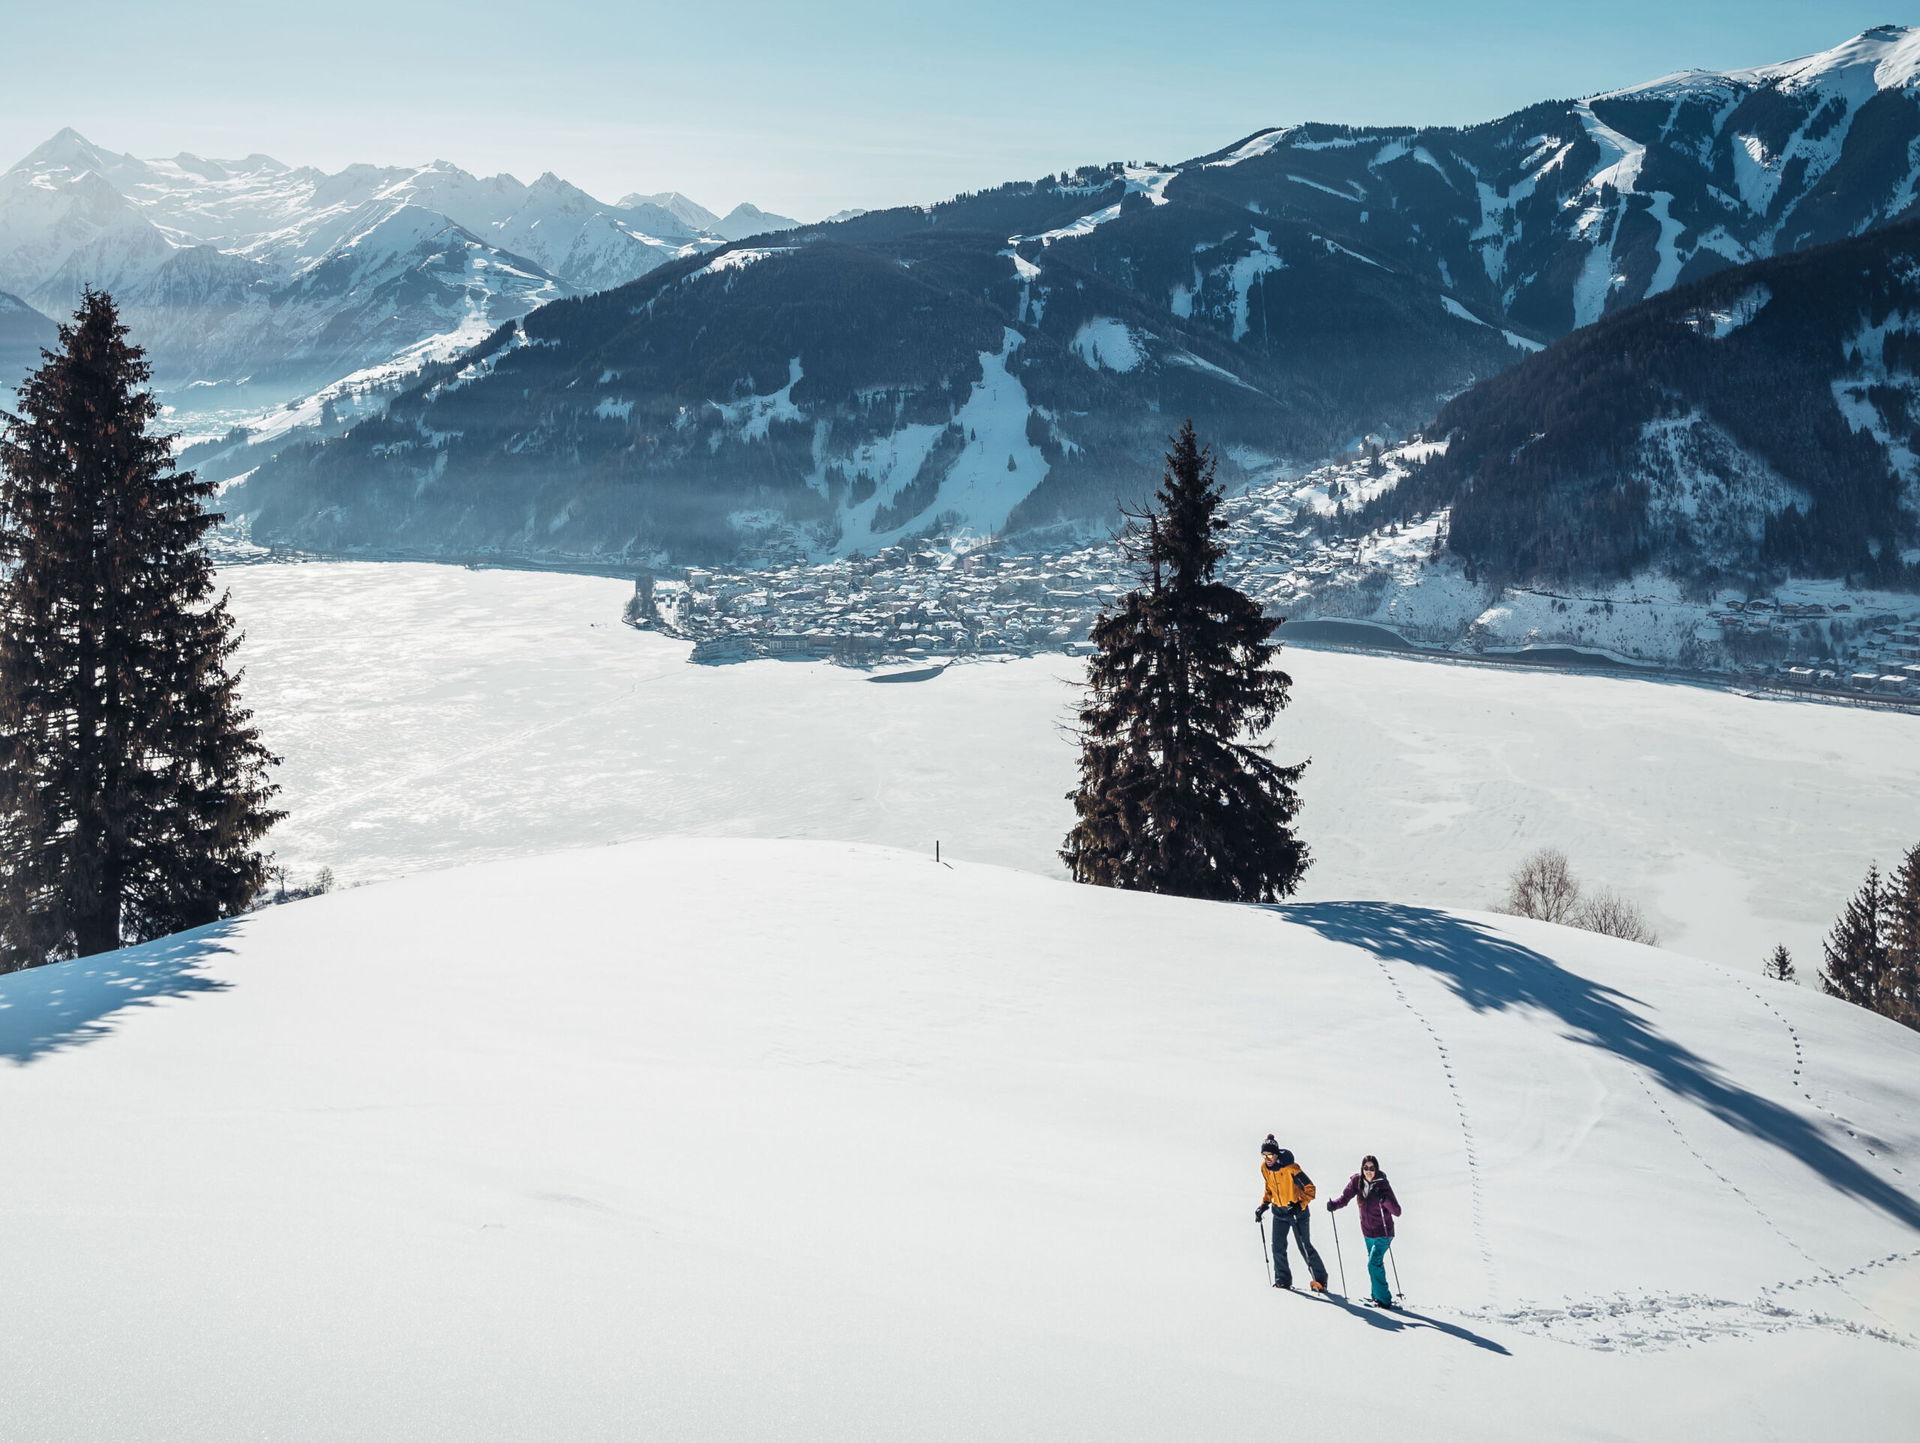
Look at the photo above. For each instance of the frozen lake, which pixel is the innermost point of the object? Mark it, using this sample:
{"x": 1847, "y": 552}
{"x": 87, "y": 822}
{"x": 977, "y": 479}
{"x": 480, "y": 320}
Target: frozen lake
{"x": 431, "y": 715}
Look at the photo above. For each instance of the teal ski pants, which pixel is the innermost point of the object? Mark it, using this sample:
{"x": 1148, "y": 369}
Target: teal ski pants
{"x": 1377, "y": 1268}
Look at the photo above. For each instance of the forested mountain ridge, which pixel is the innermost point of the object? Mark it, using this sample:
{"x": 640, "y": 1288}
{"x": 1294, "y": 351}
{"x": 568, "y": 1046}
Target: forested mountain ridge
{"x": 1763, "y": 422}
{"x": 838, "y": 396}
{"x": 1291, "y": 293}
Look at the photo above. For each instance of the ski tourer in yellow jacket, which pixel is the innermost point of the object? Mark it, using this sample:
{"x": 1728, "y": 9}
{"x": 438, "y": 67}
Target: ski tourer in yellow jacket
{"x": 1287, "y": 1191}
{"x": 1287, "y": 1186}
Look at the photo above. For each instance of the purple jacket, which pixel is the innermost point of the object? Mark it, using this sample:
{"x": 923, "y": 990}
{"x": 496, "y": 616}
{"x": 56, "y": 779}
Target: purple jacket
{"x": 1378, "y": 1207}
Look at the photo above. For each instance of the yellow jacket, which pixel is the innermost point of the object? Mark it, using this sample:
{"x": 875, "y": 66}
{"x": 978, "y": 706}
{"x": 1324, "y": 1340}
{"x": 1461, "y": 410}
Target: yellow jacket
{"x": 1286, "y": 1186}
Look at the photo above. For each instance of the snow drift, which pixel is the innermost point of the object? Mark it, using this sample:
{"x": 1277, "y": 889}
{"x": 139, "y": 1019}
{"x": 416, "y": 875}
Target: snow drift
{"x": 720, "y": 1139}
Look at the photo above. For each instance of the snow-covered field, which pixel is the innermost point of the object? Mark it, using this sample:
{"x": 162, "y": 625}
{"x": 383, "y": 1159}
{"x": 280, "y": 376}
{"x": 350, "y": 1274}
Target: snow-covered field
{"x": 431, "y": 716}
{"x": 732, "y": 1140}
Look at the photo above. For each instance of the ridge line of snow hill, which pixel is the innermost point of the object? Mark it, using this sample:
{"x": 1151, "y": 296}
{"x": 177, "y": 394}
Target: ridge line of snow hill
{"x": 478, "y": 1117}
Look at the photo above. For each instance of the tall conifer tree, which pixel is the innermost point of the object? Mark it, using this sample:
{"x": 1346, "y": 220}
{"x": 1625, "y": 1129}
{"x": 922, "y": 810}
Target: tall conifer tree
{"x": 1856, "y": 949}
{"x": 1175, "y": 794}
{"x": 132, "y": 784}
{"x": 1903, "y": 939}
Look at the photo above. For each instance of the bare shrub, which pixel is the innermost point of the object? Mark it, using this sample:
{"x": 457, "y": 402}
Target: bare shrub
{"x": 1543, "y": 887}
{"x": 1612, "y": 915}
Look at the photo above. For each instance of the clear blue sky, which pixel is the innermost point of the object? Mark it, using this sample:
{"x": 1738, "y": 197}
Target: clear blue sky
{"x": 807, "y": 106}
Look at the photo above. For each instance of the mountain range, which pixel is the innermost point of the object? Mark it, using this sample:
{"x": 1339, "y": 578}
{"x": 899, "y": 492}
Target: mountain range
{"x": 1010, "y": 359}
{"x": 251, "y": 282}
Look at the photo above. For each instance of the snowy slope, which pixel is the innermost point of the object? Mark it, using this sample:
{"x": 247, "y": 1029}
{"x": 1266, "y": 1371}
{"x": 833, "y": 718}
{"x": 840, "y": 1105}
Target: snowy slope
{"x": 432, "y": 716}
{"x": 740, "y": 1140}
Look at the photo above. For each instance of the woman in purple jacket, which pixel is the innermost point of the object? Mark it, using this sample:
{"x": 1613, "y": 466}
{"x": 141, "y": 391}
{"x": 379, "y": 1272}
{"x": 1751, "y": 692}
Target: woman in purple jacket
{"x": 1378, "y": 1208}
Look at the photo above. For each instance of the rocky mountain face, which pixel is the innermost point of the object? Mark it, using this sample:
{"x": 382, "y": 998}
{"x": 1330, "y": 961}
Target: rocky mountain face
{"x": 1011, "y": 359}
{"x": 1759, "y": 424}
{"x": 252, "y": 282}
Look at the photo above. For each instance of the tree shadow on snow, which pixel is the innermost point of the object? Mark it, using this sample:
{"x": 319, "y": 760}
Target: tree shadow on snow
{"x": 69, "y": 1004}
{"x": 1490, "y": 972}
{"x": 1400, "y": 1320}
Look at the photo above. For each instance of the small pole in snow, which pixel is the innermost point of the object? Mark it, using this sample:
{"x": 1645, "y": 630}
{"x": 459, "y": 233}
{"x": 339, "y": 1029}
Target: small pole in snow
{"x": 1337, "y": 1253}
{"x": 936, "y": 851}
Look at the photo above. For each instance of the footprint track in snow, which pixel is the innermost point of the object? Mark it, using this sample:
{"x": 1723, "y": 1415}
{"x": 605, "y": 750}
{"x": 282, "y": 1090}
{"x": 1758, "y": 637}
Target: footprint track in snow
{"x": 1821, "y": 1273}
{"x": 1728, "y": 1183}
{"x": 1799, "y": 1073}
{"x": 1466, "y": 1125}
{"x": 1655, "y": 1322}
{"x": 1831, "y": 1276}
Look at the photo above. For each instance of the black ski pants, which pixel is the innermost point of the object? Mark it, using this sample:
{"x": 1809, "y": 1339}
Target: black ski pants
{"x": 1295, "y": 1222}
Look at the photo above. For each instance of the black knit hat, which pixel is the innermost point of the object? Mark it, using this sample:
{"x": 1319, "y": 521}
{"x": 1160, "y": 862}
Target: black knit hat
{"x": 1270, "y": 1146}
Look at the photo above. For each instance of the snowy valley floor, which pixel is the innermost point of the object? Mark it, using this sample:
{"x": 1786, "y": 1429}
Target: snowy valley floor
{"x": 736, "y": 1140}
{"x": 432, "y": 715}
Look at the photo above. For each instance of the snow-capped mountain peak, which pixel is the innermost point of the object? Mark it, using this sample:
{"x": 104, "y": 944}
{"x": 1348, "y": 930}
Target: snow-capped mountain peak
{"x": 67, "y": 149}
{"x": 404, "y": 228}
{"x": 223, "y": 264}
{"x": 1886, "y": 57}
{"x": 749, "y": 220}
{"x": 688, "y": 212}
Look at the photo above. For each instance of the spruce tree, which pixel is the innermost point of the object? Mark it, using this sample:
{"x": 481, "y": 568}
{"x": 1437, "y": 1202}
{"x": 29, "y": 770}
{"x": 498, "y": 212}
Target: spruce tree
{"x": 132, "y": 785}
{"x": 1856, "y": 950}
{"x": 1903, "y": 940}
{"x": 1175, "y": 793}
{"x": 1779, "y": 964}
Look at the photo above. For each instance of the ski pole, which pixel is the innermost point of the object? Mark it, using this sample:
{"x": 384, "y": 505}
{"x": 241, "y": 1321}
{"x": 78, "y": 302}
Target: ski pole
{"x": 1396, "y": 1275}
{"x": 1263, "y": 1247}
{"x": 1338, "y": 1255}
